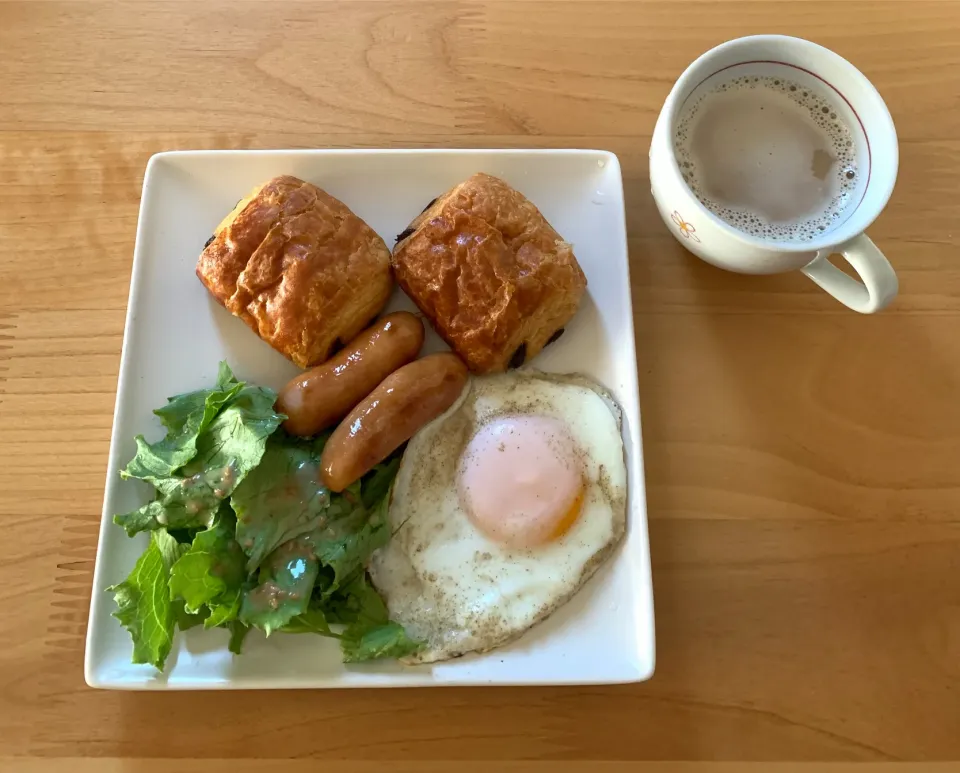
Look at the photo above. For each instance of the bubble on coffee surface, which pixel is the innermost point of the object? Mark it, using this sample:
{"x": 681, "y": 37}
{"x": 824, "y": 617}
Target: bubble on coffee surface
{"x": 841, "y": 152}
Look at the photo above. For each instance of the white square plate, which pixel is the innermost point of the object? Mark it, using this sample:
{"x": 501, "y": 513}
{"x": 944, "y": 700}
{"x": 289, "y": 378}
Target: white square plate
{"x": 176, "y": 334}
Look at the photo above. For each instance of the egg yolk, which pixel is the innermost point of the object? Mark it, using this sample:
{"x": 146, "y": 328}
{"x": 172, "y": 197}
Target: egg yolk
{"x": 520, "y": 480}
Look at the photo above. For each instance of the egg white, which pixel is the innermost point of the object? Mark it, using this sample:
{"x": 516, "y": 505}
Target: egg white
{"x": 448, "y": 583}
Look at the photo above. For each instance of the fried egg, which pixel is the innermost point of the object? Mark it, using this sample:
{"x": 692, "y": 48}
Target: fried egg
{"x": 502, "y": 508}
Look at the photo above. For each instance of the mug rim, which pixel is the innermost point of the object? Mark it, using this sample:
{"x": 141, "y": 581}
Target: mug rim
{"x": 848, "y": 230}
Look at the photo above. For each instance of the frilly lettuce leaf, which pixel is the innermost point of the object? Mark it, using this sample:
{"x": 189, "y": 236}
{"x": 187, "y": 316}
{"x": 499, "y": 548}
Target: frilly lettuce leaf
{"x": 225, "y": 609}
{"x": 238, "y": 632}
{"x": 311, "y": 621}
{"x": 282, "y": 498}
{"x": 388, "y": 640}
{"x": 187, "y": 620}
{"x": 356, "y": 602}
{"x": 285, "y": 583}
{"x": 185, "y": 417}
{"x": 347, "y": 542}
{"x": 212, "y": 571}
{"x": 346, "y": 535}
{"x": 222, "y": 453}
{"x": 143, "y": 600}
{"x": 369, "y": 634}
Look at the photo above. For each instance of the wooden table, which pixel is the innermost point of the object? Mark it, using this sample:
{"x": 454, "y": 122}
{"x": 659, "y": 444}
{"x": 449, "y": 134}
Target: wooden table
{"x": 803, "y": 462}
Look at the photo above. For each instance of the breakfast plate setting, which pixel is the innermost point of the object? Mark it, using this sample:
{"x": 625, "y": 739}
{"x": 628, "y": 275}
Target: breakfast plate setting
{"x": 377, "y": 425}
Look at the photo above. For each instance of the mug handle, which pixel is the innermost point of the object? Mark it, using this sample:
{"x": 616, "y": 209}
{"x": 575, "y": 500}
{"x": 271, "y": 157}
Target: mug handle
{"x": 878, "y": 284}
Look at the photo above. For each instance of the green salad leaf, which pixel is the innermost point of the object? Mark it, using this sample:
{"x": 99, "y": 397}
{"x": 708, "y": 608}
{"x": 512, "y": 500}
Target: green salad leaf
{"x": 187, "y": 620}
{"x": 143, "y": 600}
{"x": 311, "y": 621}
{"x": 347, "y": 543}
{"x": 185, "y": 417}
{"x": 226, "y": 609}
{"x": 282, "y": 498}
{"x": 388, "y": 640}
{"x": 356, "y": 602}
{"x": 286, "y": 582}
{"x": 215, "y": 438}
{"x": 146, "y": 518}
{"x": 369, "y": 634}
{"x": 211, "y": 572}
{"x": 376, "y": 485}
{"x": 238, "y": 632}
{"x": 243, "y": 535}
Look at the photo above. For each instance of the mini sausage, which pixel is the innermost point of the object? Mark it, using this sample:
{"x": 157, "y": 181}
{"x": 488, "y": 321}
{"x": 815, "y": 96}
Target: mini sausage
{"x": 406, "y": 400}
{"x": 323, "y": 395}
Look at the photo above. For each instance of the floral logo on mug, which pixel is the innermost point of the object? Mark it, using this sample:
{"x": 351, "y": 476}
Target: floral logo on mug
{"x": 688, "y": 231}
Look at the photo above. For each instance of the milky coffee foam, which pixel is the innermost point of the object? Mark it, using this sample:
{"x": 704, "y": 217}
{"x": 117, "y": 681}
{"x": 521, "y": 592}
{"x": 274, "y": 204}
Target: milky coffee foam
{"x": 769, "y": 156}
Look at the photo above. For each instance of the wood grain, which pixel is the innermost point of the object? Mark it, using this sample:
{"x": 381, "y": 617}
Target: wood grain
{"x": 208, "y": 765}
{"x": 803, "y": 462}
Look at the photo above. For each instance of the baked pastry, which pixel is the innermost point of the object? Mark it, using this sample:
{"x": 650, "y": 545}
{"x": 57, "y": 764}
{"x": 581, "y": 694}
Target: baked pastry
{"x": 298, "y": 267}
{"x": 492, "y": 275}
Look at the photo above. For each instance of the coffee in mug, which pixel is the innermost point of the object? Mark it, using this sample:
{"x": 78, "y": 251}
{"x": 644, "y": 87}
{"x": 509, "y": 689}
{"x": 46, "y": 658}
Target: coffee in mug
{"x": 772, "y": 157}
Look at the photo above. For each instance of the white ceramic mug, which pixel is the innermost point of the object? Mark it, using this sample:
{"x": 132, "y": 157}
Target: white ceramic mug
{"x": 864, "y": 111}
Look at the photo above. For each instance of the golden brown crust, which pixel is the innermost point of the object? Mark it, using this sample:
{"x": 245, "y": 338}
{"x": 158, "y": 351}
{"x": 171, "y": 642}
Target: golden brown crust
{"x": 298, "y": 267}
{"x": 491, "y": 274}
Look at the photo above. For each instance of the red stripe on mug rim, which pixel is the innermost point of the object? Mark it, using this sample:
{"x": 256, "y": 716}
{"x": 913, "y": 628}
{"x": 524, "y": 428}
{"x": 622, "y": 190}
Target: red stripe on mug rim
{"x": 856, "y": 115}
